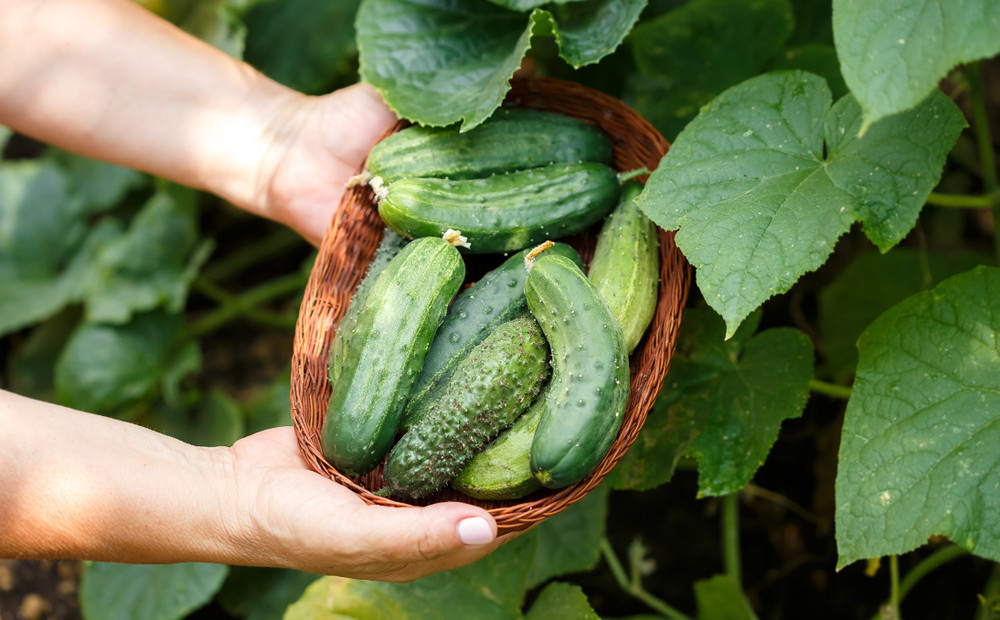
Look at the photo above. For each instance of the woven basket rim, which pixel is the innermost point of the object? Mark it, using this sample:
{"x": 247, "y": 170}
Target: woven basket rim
{"x": 340, "y": 264}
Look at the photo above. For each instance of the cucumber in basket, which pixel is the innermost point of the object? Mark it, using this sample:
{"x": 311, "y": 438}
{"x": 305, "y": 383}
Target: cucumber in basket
{"x": 626, "y": 265}
{"x": 511, "y": 139}
{"x": 492, "y": 386}
{"x": 505, "y": 212}
{"x": 403, "y": 310}
{"x": 496, "y": 298}
{"x": 589, "y": 387}
{"x": 388, "y": 247}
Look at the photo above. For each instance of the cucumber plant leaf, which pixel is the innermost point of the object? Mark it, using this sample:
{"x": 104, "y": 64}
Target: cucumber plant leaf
{"x": 258, "y": 593}
{"x": 527, "y": 5}
{"x": 150, "y": 265}
{"x": 721, "y": 598}
{"x": 438, "y": 62}
{"x": 769, "y": 175}
{"x": 561, "y": 600}
{"x": 688, "y": 55}
{"x": 918, "y": 449}
{"x": 569, "y": 542}
{"x": 722, "y": 403}
{"x": 871, "y": 284}
{"x": 155, "y": 591}
{"x": 311, "y": 55}
{"x": 894, "y": 53}
{"x": 105, "y": 366}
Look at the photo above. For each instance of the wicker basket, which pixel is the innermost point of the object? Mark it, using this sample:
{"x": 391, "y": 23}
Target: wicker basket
{"x": 349, "y": 246}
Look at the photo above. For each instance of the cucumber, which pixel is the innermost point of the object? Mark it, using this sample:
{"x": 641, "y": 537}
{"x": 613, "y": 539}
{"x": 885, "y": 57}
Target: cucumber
{"x": 496, "y": 298}
{"x": 491, "y": 387}
{"x": 395, "y": 326}
{"x": 388, "y": 247}
{"x": 589, "y": 388}
{"x": 503, "y": 469}
{"x": 511, "y": 139}
{"x": 505, "y": 212}
{"x": 626, "y": 265}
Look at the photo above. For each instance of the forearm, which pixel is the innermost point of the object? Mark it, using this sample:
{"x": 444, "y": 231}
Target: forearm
{"x": 109, "y": 80}
{"x": 76, "y": 485}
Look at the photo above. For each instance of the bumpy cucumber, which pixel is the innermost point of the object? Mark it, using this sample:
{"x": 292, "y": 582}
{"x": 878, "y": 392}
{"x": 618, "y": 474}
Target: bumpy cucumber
{"x": 505, "y": 212}
{"x": 503, "y": 469}
{"x": 626, "y": 265}
{"x": 388, "y": 247}
{"x": 495, "y": 299}
{"x": 511, "y": 139}
{"x": 404, "y": 308}
{"x": 492, "y": 386}
{"x": 590, "y": 376}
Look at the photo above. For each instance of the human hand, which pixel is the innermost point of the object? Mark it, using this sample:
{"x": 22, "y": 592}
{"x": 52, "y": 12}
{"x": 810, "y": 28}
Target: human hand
{"x": 285, "y": 514}
{"x": 319, "y": 145}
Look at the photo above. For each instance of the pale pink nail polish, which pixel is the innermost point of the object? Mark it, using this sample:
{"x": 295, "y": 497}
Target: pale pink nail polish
{"x": 474, "y": 531}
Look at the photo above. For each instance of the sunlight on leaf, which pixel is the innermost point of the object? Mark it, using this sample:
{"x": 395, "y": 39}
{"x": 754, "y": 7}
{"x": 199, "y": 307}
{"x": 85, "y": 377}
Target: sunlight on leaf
{"x": 722, "y": 598}
{"x": 769, "y": 175}
{"x": 918, "y": 451}
{"x": 561, "y": 600}
{"x": 894, "y": 53}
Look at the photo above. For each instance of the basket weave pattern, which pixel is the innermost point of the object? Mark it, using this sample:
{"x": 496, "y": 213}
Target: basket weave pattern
{"x": 350, "y": 243}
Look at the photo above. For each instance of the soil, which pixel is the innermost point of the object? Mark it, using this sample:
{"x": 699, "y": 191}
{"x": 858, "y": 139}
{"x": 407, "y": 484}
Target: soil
{"x": 39, "y": 590}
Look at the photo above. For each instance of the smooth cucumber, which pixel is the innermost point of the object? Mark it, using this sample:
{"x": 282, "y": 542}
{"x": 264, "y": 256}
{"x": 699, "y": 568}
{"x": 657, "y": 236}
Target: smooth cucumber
{"x": 505, "y": 212}
{"x": 492, "y": 386}
{"x": 404, "y": 308}
{"x": 626, "y": 265}
{"x": 511, "y": 139}
{"x": 388, "y": 247}
{"x": 589, "y": 387}
{"x": 495, "y": 298}
{"x": 503, "y": 469}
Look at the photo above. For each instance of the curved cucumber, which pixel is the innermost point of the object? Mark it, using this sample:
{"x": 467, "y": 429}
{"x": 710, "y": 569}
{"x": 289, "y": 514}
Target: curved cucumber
{"x": 405, "y": 305}
{"x": 388, "y": 247}
{"x": 626, "y": 265}
{"x": 590, "y": 375}
{"x": 511, "y": 139}
{"x": 505, "y": 212}
{"x": 503, "y": 469}
{"x": 495, "y": 299}
{"x": 492, "y": 386}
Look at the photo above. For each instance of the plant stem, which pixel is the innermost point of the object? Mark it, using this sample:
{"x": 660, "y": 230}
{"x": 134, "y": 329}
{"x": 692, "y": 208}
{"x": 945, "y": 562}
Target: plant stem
{"x": 731, "y": 536}
{"x": 986, "y": 201}
{"x": 634, "y": 587}
{"x": 894, "y": 585}
{"x": 981, "y": 127}
{"x": 830, "y": 389}
{"x": 245, "y": 304}
{"x": 938, "y": 558}
{"x": 252, "y": 254}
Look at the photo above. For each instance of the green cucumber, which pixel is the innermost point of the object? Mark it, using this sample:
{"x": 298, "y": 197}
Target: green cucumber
{"x": 511, "y": 139}
{"x": 503, "y": 469}
{"x": 496, "y": 298}
{"x": 395, "y": 326}
{"x": 490, "y": 388}
{"x": 505, "y": 212}
{"x": 626, "y": 265}
{"x": 589, "y": 388}
{"x": 388, "y": 247}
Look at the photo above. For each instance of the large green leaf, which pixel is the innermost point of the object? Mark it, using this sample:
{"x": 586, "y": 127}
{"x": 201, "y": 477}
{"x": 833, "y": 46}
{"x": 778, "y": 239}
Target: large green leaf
{"x": 768, "y": 176}
{"x": 722, "y": 598}
{"x": 893, "y": 53}
{"x": 255, "y": 593}
{"x": 490, "y": 588}
{"x": 104, "y": 366}
{"x": 722, "y": 403}
{"x": 561, "y": 600}
{"x": 569, "y": 542}
{"x": 918, "y": 453}
{"x": 152, "y": 592}
{"x": 151, "y": 265}
{"x": 438, "y": 62}
{"x": 691, "y": 54}
{"x": 870, "y": 285}
{"x": 307, "y": 45}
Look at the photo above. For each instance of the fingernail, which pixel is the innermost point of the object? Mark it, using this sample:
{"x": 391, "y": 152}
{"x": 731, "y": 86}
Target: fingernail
{"x": 474, "y": 531}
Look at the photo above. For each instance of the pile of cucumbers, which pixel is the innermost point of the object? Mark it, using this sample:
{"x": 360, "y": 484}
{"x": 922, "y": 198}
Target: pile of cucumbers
{"x": 519, "y": 381}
